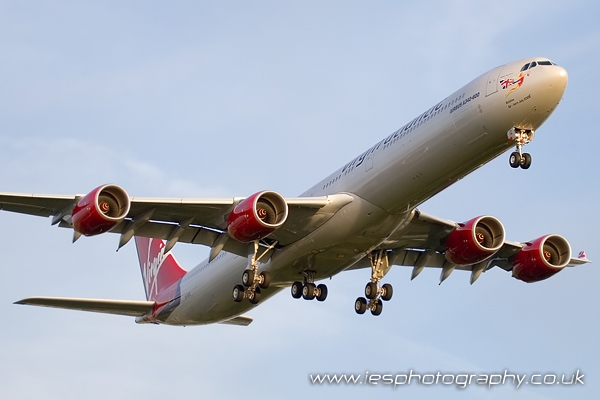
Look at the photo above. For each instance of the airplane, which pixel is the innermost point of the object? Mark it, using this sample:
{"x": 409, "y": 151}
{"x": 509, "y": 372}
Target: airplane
{"x": 364, "y": 215}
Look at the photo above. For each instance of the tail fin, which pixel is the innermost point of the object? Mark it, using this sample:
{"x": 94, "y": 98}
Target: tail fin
{"x": 159, "y": 270}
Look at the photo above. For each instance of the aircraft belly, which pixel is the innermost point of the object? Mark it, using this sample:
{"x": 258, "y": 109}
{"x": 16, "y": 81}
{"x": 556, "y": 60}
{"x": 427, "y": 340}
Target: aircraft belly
{"x": 345, "y": 239}
{"x": 208, "y": 299}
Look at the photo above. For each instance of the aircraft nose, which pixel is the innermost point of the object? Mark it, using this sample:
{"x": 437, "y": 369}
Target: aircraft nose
{"x": 559, "y": 78}
{"x": 552, "y": 88}
{"x": 556, "y": 81}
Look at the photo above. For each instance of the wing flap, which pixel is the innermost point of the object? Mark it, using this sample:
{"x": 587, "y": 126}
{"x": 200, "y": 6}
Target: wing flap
{"x": 130, "y": 308}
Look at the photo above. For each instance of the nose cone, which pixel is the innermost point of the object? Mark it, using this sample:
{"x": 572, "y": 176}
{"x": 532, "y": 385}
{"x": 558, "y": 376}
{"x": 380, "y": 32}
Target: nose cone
{"x": 550, "y": 89}
{"x": 558, "y": 80}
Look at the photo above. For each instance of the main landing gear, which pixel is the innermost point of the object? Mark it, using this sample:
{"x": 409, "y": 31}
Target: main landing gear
{"x": 252, "y": 280}
{"x": 520, "y": 137}
{"x": 374, "y": 293}
{"x": 308, "y": 290}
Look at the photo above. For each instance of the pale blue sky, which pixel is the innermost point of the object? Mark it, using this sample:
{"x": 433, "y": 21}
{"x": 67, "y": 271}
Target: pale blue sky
{"x": 225, "y": 99}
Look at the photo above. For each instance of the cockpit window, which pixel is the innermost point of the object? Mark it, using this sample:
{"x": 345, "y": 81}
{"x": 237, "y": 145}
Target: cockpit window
{"x": 536, "y": 63}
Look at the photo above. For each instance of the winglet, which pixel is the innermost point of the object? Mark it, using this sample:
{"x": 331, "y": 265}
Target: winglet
{"x": 582, "y": 257}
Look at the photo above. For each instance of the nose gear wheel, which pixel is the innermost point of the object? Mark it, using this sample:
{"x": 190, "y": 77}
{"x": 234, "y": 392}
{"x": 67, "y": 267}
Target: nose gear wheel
{"x": 520, "y": 137}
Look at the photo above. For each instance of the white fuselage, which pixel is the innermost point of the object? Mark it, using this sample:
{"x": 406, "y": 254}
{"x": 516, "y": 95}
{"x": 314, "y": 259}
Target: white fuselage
{"x": 451, "y": 139}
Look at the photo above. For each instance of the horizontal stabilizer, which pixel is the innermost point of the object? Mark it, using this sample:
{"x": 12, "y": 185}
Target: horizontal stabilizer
{"x": 242, "y": 320}
{"x": 120, "y": 307}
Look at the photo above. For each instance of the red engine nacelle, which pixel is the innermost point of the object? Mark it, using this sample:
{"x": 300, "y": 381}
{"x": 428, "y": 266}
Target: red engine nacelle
{"x": 100, "y": 210}
{"x": 257, "y": 216}
{"x": 474, "y": 241}
{"x": 541, "y": 258}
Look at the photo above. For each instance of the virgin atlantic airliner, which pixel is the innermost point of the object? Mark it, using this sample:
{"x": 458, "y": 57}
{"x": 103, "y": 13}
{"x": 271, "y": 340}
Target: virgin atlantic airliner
{"x": 364, "y": 215}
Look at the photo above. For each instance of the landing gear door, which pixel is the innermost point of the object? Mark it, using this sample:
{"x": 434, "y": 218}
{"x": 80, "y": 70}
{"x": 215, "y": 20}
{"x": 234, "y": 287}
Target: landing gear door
{"x": 492, "y": 81}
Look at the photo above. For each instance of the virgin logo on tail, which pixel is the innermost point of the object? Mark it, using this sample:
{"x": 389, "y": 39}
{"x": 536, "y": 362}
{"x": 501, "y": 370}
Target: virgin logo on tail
{"x": 151, "y": 267}
{"x": 159, "y": 270}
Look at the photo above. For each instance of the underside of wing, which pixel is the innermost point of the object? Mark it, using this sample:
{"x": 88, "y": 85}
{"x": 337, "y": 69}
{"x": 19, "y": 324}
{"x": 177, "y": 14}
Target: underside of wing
{"x": 120, "y": 307}
{"x": 108, "y": 208}
{"x": 477, "y": 245}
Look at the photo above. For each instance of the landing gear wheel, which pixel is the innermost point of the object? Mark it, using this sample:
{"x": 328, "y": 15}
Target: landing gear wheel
{"x": 526, "y": 161}
{"x": 322, "y": 289}
{"x": 265, "y": 279}
{"x": 371, "y": 290}
{"x": 238, "y": 293}
{"x": 515, "y": 159}
{"x": 297, "y": 289}
{"x": 254, "y": 297}
{"x": 378, "y": 308}
{"x": 308, "y": 291}
{"x": 248, "y": 278}
{"x": 387, "y": 292}
{"x": 360, "y": 305}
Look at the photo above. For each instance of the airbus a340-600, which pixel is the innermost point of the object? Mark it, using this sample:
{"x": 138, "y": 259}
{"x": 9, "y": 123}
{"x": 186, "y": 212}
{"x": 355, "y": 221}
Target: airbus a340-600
{"x": 363, "y": 215}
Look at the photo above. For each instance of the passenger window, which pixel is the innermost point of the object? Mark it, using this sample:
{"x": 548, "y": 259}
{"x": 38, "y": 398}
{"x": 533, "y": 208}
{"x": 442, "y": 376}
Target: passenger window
{"x": 525, "y": 67}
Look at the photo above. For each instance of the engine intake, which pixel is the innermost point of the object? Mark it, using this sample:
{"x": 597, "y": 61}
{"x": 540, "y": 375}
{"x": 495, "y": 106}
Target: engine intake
{"x": 475, "y": 240}
{"x": 257, "y": 216}
{"x": 541, "y": 258}
{"x": 100, "y": 210}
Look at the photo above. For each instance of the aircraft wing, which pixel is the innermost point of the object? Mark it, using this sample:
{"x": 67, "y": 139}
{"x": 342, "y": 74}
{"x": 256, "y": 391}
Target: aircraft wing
{"x": 421, "y": 243}
{"x": 197, "y": 221}
{"x": 131, "y": 308}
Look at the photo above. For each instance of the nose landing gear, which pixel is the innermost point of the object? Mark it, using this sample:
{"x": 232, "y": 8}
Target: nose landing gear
{"x": 520, "y": 137}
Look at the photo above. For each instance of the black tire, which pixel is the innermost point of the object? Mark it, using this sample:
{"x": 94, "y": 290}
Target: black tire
{"x": 526, "y": 161}
{"x": 297, "y": 289}
{"x": 248, "y": 278}
{"x": 378, "y": 308}
{"x": 371, "y": 290}
{"x": 266, "y": 279}
{"x": 238, "y": 293}
{"x": 255, "y": 297}
{"x": 515, "y": 159}
{"x": 387, "y": 292}
{"x": 322, "y": 289}
{"x": 360, "y": 305}
{"x": 308, "y": 291}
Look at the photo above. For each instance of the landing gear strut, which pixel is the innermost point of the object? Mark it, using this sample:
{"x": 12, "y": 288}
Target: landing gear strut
{"x": 252, "y": 280}
{"x": 374, "y": 293}
{"x": 307, "y": 289}
{"x": 520, "y": 137}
